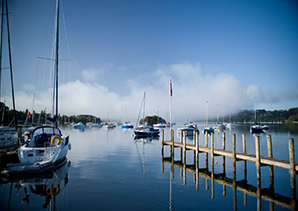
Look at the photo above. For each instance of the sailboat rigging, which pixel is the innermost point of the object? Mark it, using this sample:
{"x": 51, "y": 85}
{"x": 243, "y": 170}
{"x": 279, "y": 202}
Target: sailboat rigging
{"x": 45, "y": 146}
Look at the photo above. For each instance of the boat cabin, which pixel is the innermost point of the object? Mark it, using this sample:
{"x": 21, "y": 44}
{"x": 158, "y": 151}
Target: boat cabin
{"x": 42, "y": 136}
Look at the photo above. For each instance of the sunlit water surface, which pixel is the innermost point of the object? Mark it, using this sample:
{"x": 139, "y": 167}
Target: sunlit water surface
{"x": 109, "y": 170}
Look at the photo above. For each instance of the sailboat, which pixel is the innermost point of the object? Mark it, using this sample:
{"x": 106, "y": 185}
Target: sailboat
{"x": 256, "y": 128}
{"x": 144, "y": 130}
{"x": 219, "y": 126}
{"x": 46, "y": 146}
{"x": 8, "y": 138}
{"x": 207, "y": 129}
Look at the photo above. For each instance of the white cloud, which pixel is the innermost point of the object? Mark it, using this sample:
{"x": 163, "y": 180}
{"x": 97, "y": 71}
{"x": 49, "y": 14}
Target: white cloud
{"x": 191, "y": 89}
{"x": 91, "y": 75}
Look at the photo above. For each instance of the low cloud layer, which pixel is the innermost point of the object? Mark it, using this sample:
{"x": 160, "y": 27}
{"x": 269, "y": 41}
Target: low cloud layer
{"x": 192, "y": 87}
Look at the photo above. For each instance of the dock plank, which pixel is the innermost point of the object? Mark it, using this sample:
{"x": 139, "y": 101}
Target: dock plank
{"x": 239, "y": 155}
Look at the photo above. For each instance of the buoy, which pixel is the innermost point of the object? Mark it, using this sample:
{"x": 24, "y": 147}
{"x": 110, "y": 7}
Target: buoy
{"x": 55, "y": 191}
{"x": 53, "y": 140}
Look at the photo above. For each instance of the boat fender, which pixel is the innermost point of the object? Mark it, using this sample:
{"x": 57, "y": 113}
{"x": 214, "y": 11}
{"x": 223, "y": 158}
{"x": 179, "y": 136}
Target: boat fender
{"x": 56, "y": 137}
{"x": 55, "y": 191}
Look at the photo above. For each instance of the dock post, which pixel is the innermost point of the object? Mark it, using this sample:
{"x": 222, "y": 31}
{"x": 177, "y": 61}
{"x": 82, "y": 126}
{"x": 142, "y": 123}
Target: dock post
{"x": 224, "y": 157}
{"x": 206, "y": 144}
{"x": 224, "y": 160}
{"x": 197, "y": 160}
{"x": 181, "y": 141}
{"x": 197, "y": 149}
{"x": 172, "y": 139}
{"x": 245, "y": 165}
{"x": 270, "y": 155}
{"x": 184, "y": 157}
{"x": 292, "y": 172}
{"x": 162, "y": 142}
{"x": 212, "y": 165}
{"x": 184, "y": 147}
{"x": 212, "y": 150}
{"x": 258, "y": 160}
{"x": 244, "y": 161}
{"x": 194, "y": 143}
{"x": 258, "y": 164}
{"x": 234, "y": 156}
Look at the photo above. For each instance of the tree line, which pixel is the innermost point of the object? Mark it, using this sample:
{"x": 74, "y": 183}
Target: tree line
{"x": 276, "y": 116}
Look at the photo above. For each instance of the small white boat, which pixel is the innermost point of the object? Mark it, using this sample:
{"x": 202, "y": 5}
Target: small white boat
{"x": 159, "y": 125}
{"x": 109, "y": 125}
{"x": 220, "y": 126}
{"x": 126, "y": 125}
{"x": 79, "y": 126}
{"x": 189, "y": 129}
{"x": 96, "y": 125}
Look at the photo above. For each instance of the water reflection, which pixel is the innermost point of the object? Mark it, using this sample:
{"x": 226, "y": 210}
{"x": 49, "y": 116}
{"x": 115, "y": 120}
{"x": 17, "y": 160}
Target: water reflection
{"x": 47, "y": 185}
{"x": 267, "y": 194}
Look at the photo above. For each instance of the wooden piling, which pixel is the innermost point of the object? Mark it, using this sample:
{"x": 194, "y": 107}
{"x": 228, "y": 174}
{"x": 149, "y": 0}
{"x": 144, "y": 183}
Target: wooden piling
{"x": 206, "y": 144}
{"x": 244, "y": 161}
{"x": 172, "y": 139}
{"x": 184, "y": 147}
{"x": 270, "y": 155}
{"x": 234, "y": 156}
{"x": 224, "y": 157}
{"x": 162, "y": 141}
{"x": 292, "y": 172}
{"x": 258, "y": 160}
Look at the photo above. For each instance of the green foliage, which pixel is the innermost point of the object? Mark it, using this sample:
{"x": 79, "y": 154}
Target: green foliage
{"x": 6, "y": 117}
{"x": 152, "y": 120}
{"x": 283, "y": 116}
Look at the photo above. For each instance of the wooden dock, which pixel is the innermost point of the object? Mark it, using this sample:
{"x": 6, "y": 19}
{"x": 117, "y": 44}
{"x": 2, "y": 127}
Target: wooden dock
{"x": 265, "y": 194}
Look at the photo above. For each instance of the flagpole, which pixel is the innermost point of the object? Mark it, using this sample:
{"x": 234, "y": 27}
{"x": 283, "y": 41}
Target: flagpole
{"x": 170, "y": 105}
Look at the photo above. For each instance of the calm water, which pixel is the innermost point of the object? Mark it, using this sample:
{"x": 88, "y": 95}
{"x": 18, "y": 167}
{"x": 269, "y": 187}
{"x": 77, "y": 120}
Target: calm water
{"x": 109, "y": 170}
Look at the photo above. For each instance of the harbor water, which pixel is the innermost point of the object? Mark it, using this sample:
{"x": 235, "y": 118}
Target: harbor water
{"x": 107, "y": 169}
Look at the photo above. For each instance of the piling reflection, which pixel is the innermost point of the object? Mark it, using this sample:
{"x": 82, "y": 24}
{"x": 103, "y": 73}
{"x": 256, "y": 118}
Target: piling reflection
{"x": 267, "y": 194}
{"x": 48, "y": 185}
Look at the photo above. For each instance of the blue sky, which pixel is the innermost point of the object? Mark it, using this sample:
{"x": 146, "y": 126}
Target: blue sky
{"x": 223, "y": 52}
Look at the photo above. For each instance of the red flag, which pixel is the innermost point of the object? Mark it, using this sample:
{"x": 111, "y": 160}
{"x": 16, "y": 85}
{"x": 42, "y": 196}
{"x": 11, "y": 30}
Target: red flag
{"x": 29, "y": 116}
{"x": 171, "y": 90}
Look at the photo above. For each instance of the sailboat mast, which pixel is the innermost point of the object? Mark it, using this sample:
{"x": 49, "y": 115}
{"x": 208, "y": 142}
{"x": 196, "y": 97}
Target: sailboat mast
{"x": 144, "y": 107}
{"x": 1, "y": 33}
{"x": 11, "y": 75}
{"x": 170, "y": 104}
{"x": 55, "y": 89}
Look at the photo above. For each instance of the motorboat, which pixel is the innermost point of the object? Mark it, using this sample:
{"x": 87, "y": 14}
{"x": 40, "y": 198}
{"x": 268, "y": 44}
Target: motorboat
{"x": 208, "y": 129}
{"x": 109, "y": 125}
{"x": 159, "y": 125}
{"x": 146, "y": 130}
{"x": 96, "y": 125}
{"x": 256, "y": 129}
{"x": 189, "y": 129}
{"x": 126, "y": 125}
{"x": 79, "y": 126}
{"x": 45, "y": 143}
